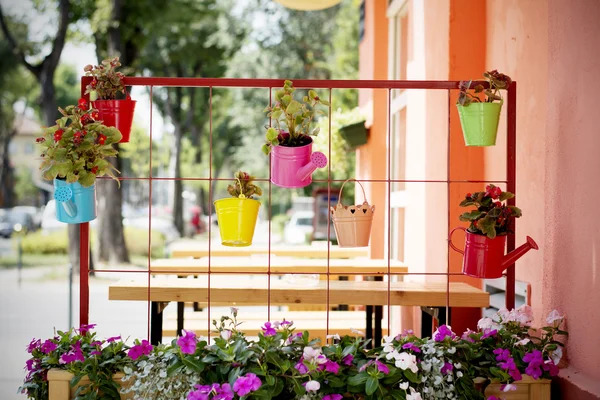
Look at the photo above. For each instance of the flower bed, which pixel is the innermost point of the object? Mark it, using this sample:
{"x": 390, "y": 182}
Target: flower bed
{"x": 284, "y": 364}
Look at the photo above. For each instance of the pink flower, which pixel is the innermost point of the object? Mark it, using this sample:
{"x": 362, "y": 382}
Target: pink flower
{"x": 268, "y": 330}
{"x": 246, "y": 384}
{"x": 333, "y": 397}
{"x": 48, "y": 347}
{"x": 187, "y": 342}
{"x": 83, "y": 329}
{"x": 332, "y": 366}
{"x": 381, "y": 367}
{"x": 348, "y": 359}
{"x": 300, "y": 367}
{"x": 553, "y": 317}
{"x": 33, "y": 345}
{"x": 112, "y": 339}
{"x": 138, "y": 350}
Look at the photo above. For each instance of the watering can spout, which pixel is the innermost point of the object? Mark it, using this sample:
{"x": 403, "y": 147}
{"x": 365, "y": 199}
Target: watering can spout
{"x": 317, "y": 160}
{"x": 64, "y": 195}
{"x": 517, "y": 253}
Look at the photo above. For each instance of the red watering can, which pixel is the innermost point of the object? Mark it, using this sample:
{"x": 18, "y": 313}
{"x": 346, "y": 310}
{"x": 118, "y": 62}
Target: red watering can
{"x": 484, "y": 257}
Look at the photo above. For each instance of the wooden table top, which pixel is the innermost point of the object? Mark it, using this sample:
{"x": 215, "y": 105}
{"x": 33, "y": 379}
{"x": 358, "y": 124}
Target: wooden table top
{"x": 190, "y": 248}
{"x": 278, "y": 265}
{"x": 242, "y": 292}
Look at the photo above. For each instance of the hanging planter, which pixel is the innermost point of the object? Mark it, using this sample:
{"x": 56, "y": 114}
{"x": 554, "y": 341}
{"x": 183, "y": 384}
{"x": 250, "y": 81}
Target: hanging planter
{"x": 237, "y": 216}
{"x": 355, "y": 134}
{"x": 117, "y": 113}
{"x": 352, "y": 223}
{"x": 75, "y": 204}
{"x": 292, "y": 167}
{"x": 479, "y": 117}
{"x": 479, "y": 123}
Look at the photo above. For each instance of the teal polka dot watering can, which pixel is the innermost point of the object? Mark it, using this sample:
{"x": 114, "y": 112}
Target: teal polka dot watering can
{"x": 75, "y": 204}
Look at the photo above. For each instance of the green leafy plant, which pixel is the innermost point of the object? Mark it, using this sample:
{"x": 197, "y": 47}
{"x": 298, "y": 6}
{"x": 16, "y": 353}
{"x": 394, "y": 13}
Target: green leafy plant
{"x": 496, "y": 81}
{"x": 243, "y": 186}
{"x": 491, "y": 217}
{"x": 106, "y": 82}
{"x": 76, "y": 148}
{"x": 295, "y": 116}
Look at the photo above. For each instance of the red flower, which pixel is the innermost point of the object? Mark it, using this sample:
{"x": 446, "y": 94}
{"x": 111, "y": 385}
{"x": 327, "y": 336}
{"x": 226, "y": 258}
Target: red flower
{"x": 78, "y": 137}
{"x": 95, "y": 170}
{"x": 58, "y": 135}
{"x": 95, "y": 115}
{"x": 468, "y": 196}
{"x": 493, "y": 191}
{"x": 498, "y": 204}
{"x": 85, "y": 119}
{"x": 40, "y": 140}
{"x": 101, "y": 139}
{"x": 94, "y": 83}
{"x": 83, "y": 104}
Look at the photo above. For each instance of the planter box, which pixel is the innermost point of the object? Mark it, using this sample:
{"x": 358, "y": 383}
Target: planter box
{"x": 355, "y": 134}
{"x": 527, "y": 389}
{"x": 59, "y": 388}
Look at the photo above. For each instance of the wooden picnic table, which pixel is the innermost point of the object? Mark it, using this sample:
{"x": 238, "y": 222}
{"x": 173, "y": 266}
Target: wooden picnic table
{"x": 165, "y": 289}
{"x": 190, "y": 248}
{"x": 277, "y": 265}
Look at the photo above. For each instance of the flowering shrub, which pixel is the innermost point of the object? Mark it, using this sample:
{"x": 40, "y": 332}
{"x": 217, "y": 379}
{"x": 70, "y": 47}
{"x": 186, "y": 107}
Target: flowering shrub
{"x": 244, "y": 186}
{"x": 491, "y": 217}
{"x": 285, "y": 364}
{"x": 76, "y": 147}
{"x": 106, "y": 82}
{"x": 496, "y": 81}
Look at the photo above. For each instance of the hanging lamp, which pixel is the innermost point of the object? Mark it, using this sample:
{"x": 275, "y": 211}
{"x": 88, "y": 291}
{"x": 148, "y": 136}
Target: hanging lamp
{"x": 308, "y": 5}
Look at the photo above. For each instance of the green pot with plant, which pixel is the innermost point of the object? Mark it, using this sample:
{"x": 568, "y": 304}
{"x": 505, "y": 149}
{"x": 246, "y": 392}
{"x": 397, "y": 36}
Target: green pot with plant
{"x": 237, "y": 216}
{"x": 74, "y": 155}
{"x": 479, "y": 117}
{"x": 105, "y": 89}
{"x": 485, "y": 240}
{"x": 355, "y": 134}
{"x": 289, "y": 142}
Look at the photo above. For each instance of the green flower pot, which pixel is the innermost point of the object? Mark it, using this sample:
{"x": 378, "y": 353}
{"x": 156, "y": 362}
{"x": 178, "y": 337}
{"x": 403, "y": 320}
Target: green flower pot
{"x": 479, "y": 123}
{"x": 355, "y": 134}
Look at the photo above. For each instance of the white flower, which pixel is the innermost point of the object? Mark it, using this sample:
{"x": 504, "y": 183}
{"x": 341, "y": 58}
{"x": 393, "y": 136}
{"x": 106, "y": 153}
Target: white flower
{"x": 312, "y": 386}
{"x": 556, "y": 355}
{"x": 407, "y": 361}
{"x": 522, "y": 342}
{"x": 225, "y": 334}
{"x": 452, "y": 350}
{"x": 554, "y": 316}
{"x": 404, "y": 385}
{"x": 508, "y": 387}
{"x": 356, "y": 331}
{"x": 437, "y": 381}
{"x": 388, "y": 344}
{"x": 457, "y": 365}
{"x": 392, "y": 354}
{"x": 336, "y": 336}
{"x": 276, "y": 324}
{"x": 524, "y": 315}
{"x": 459, "y": 374}
{"x": 310, "y": 353}
{"x": 487, "y": 323}
{"x": 414, "y": 395}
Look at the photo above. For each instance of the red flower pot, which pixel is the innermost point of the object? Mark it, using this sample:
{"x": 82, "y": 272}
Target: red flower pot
{"x": 117, "y": 113}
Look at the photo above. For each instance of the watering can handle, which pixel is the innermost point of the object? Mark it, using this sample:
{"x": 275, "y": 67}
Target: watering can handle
{"x": 450, "y": 240}
{"x": 342, "y": 191}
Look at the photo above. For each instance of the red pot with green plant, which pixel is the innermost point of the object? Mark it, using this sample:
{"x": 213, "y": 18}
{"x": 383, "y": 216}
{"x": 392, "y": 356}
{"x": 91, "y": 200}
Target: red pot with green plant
{"x": 104, "y": 90}
{"x": 479, "y": 117}
{"x": 485, "y": 239}
{"x": 289, "y": 142}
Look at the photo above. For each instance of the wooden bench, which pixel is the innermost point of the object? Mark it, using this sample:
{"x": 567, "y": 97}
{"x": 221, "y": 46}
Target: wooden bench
{"x": 165, "y": 289}
{"x": 340, "y": 322}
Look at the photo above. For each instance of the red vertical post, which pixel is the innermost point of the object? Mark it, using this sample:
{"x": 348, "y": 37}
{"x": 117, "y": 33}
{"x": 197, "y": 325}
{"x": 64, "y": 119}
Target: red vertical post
{"x": 511, "y": 184}
{"x": 84, "y": 266}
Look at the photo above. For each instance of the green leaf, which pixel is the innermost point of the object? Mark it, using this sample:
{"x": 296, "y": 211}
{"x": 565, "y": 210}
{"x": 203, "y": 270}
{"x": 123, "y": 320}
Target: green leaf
{"x": 60, "y": 153}
{"x": 293, "y": 107}
{"x": 471, "y": 215}
{"x": 285, "y": 100}
{"x": 271, "y": 134}
{"x": 63, "y": 168}
{"x": 266, "y": 149}
{"x": 270, "y": 380}
{"x": 325, "y": 102}
{"x": 312, "y": 94}
{"x": 505, "y": 196}
{"x": 358, "y": 380}
{"x": 371, "y": 386}
{"x": 516, "y": 211}
{"x": 86, "y": 179}
{"x": 71, "y": 177}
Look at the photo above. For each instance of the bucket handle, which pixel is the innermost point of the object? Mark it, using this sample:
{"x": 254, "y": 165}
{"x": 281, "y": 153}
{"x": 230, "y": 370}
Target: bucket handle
{"x": 450, "y": 240}
{"x": 342, "y": 191}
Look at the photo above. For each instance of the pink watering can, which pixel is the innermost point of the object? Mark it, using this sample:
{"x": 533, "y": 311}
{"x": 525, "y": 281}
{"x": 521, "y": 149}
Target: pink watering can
{"x": 485, "y": 258}
{"x": 292, "y": 167}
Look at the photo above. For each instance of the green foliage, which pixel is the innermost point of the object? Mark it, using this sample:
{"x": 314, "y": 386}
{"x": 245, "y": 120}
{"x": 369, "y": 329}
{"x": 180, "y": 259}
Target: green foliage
{"x": 76, "y": 147}
{"x": 106, "y": 83}
{"x": 136, "y": 240}
{"x": 24, "y": 187}
{"x": 496, "y": 81}
{"x": 491, "y": 217}
{"x": 296, "y": 116}
{"x": 243, "y": 187}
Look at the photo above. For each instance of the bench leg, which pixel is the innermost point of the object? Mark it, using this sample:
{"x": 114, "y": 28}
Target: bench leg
{"x": 369, "y": 324}
{"x": 180, "y": 309}
{"x": 378, "y": 330}
{"x": 428, "y": 314}
{"x": 156, "y": 323}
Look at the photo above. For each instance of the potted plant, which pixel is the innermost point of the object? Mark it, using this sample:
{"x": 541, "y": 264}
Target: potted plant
{"x": 104, "y": 90}
{"x": 74, "y": 154}
{"x": 489, "y": 224}
{"x": 355, "y": 134}
{"x": 479, "y": 117}
{"x": 237, "y": 216}
{"x": 505, "y": 355}
{"x": 292, "y": 159}
{"x": 352, "y": 223}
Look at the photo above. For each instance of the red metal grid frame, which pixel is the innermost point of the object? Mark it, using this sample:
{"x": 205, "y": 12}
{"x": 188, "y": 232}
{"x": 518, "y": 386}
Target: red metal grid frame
{"x": 271, "y": 84}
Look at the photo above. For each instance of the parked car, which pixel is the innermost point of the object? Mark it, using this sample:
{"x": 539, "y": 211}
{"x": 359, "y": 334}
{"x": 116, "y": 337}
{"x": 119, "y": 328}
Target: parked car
{"x": 299, "y": 228}
{"x": 34, "y": 212}
{"x": 6, "y": 228}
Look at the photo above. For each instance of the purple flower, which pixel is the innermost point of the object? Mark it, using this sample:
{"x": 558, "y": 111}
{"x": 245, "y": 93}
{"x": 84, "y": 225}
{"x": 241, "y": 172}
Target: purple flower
{"x": 201, "y": 393}
{"x": 535, "y": 360}
{"x": 447, "y": 368}
{"x": 467, "y": 335}
{"x": 381, "y": 367}
{"x": 83, "y": 329}
{"x": 268, "y": 329}
{"x": 224, "y": 392}
{"x": 411, "y": 346}
{"x": 333, "y": 397}
{"x": 493, "y": 398}
{"x": 73, "y": 355}
{"x": 33, "y": 345}
{"x": 502, "y": 354}
{"x": 332, "y": 366}
{"x": 246, "y": 384}
{"x": 187, "y": 342}
{"x": 550, "y": 367}
{"x": 284, "y": 322}
{"x": 442, "y": 333}
{"x": 113, "y": 339}
{"x": 489, "y": 333}
{"x": 300, "y": 367}
{"x": 348, "y": 359}
{"x": 138, "y": 350}
{"x": 96, "y": 353}
{"x": 48, "y": 347}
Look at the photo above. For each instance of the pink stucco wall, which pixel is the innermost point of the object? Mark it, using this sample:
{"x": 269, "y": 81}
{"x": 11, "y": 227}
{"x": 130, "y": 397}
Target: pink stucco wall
{"x": 551, "y": 49}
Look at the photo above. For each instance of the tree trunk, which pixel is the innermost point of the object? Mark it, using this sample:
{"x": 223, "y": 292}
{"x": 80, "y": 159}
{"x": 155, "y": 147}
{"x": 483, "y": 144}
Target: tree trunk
{"x": 178, "y": 189}
{"x": 7, "y": 183}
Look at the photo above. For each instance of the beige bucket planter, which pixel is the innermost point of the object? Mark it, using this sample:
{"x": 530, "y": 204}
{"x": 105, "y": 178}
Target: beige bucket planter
{"x": 352, "y": 223}
{"x": 59, "y": 387}
{"x": 527, "y": 389}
